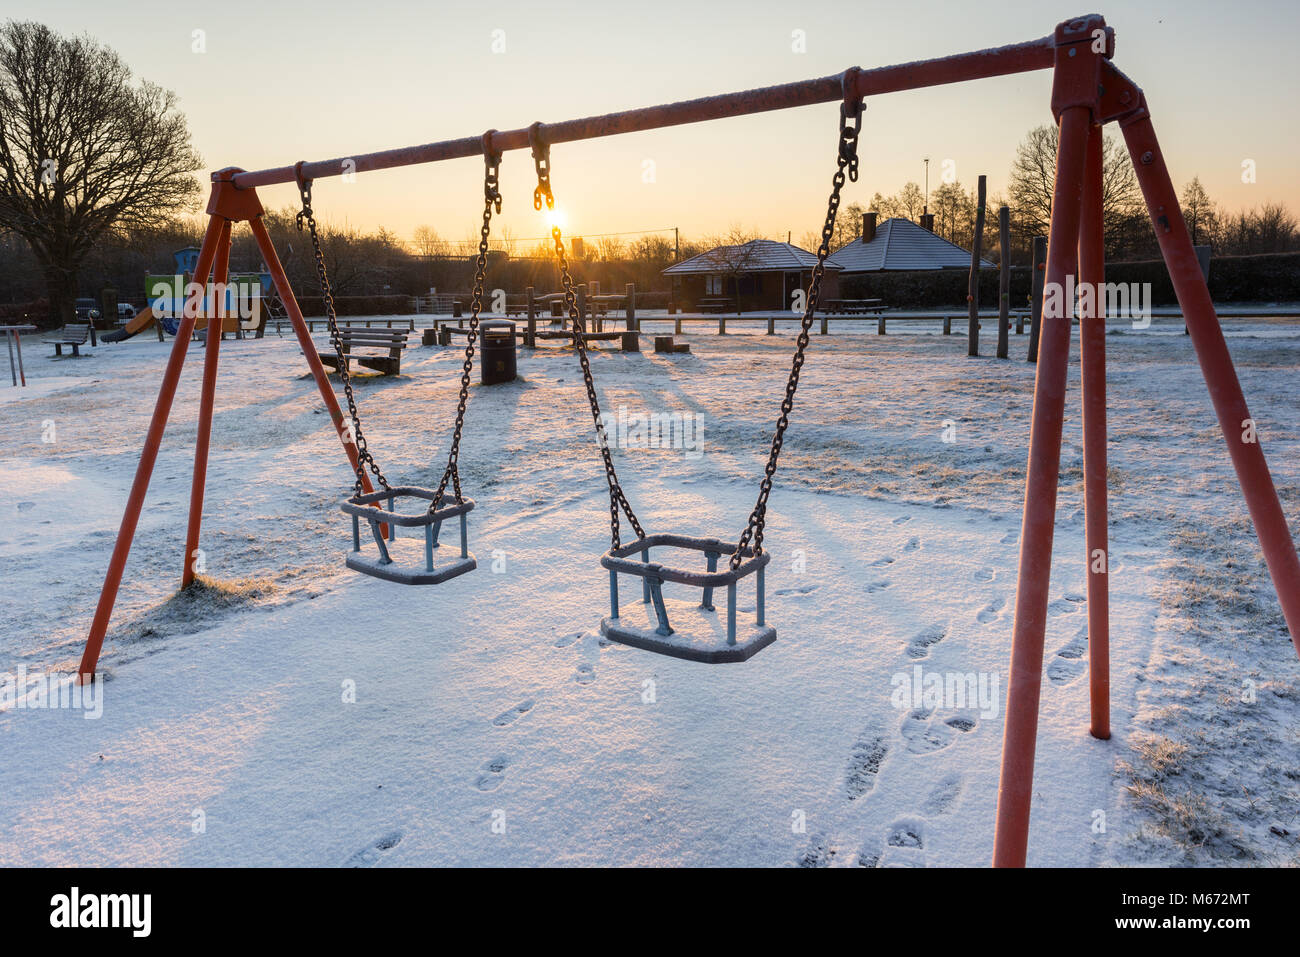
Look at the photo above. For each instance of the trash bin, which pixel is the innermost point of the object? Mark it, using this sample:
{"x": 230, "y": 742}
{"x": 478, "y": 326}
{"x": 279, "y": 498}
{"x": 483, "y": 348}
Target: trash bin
{"x": 497, "y": 355}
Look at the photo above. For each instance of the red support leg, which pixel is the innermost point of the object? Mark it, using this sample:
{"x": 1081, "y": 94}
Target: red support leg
{"x": 1216, "y": 365}
{"x": 267, "y": 248}
{"x": 143, "y": 472}
{"x": 207, "y": 398}
{"x": 1039, "y": 521}
{"x": 1092, "y": 346}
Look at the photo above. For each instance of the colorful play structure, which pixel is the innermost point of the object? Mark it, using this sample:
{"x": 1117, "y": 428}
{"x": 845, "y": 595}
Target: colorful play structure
{"x": 165, "y": 295}
{"x": 1088, "y": 91}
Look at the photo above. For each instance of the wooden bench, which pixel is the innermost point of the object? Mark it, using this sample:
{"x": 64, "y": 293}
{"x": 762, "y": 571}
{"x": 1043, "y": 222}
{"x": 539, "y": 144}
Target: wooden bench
{"x": 394, "y": 340}
{"x": 73, "y": 334}
{"x": 716, "y": 304}
{"x": 279, "y": 325}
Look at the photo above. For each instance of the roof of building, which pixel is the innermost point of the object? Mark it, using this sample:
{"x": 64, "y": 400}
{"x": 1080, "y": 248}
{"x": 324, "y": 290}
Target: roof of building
{"x": 902, "y": 244}
{"x": 757, "y": 255}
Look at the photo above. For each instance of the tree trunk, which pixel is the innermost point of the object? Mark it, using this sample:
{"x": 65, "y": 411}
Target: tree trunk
{"x": 61, "y": 290}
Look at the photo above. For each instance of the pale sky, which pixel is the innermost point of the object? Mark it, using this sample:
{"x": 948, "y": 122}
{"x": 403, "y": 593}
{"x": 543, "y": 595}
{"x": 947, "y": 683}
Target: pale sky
{"x": 281, "y": 82}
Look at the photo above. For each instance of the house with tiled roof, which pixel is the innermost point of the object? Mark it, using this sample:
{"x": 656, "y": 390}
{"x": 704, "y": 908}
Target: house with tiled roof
{"x": 899, "y": 245}
{"x": 762, "y": 274}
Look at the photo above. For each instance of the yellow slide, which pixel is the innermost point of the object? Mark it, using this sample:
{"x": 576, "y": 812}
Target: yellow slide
{"x": 143, "y": 320}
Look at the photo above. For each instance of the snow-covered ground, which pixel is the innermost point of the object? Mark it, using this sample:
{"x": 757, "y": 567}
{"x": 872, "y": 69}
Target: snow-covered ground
{"x": 491, "y": 723}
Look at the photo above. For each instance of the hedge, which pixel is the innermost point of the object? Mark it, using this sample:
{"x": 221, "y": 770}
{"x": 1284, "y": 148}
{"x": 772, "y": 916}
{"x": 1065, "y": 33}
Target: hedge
{"x": 1267, "y": 277}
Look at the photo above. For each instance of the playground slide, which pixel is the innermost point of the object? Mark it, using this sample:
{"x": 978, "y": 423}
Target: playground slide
{"x": 143, "y": 320}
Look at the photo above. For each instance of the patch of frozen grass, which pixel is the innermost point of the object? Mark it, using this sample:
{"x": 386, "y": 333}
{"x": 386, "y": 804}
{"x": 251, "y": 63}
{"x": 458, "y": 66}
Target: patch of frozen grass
{"x": 195, "y": 607}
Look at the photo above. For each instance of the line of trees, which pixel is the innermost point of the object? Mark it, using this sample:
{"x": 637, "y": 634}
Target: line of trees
{"x": 1268, "y": 228}
{"x": 97, "y": 188}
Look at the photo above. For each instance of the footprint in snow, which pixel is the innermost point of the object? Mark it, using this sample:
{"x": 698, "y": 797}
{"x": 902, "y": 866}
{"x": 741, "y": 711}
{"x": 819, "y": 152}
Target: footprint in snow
{"x": 1066, "y": 605}
{"x": 514, "y": 714}
{"x": 818, "y": 854}
{"x": 875, "y": 586}
{"x": 869, "y": 855}
{"x": 493, "y": 775}
{"x": 566, "y": 640}
{"x": 904, "y": 844}
{"x": 1069, "y": 662}
{"x": 880, "y": 562}
{"x": 944, "y": 795}
{"x": 906, "y": 832}
{"x": 585, "y": 675}
{"x": 984, "y": 575}
{"x": 26, "y": 506}
{"x": 902, "y": 520}
{"x": 1010, "y": 538}
{"x": 369, "y": 856}
{"x": 864, "y": 765}
{"x": 912, "y": 544}
{"x": 804, "y": 590}
{"x": 991, "y": 611}
{"x": 925, "y": 732}
{"x": 919, "y": 647}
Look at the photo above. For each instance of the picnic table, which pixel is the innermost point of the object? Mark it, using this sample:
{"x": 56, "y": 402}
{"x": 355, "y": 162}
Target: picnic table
{"x": 853, "y": 306}
{"x": 715, "y": 303}
{"x": 12, "y": 337}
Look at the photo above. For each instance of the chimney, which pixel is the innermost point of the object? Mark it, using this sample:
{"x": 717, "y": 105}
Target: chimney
{"x": 868, "y": 227}
{"x": 927, "y": 221}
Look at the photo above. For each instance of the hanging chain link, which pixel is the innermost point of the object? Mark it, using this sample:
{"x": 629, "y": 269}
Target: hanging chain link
{"x": 364, "y": 458}
{"x": 491, "y": 200}
{"x": 542, "y": 194}
{"x": 847, "y": 159}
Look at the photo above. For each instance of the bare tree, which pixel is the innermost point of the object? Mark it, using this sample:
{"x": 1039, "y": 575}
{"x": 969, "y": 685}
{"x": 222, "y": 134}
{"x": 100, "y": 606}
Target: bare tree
{"x": 611, "y": 248}
{"x": 733, "y": 256}
{"x": 847, "y": 226}
{"x": 910, "y": 201}
{"x": 428, "y": 243}
{"x": 1033, "y": 175}
{"x": 83, "y": 151}
{"x": 954, "y": 213}
{"x": 1198, "y": 210}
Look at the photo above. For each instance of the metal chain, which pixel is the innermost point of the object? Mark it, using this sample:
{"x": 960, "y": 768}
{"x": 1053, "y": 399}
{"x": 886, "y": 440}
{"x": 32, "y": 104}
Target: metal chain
{"x": 617, "y": 499}
{"x": 491, "y": 200}
{"x": 847, "y": 159}
{"x": 364, "y": 458}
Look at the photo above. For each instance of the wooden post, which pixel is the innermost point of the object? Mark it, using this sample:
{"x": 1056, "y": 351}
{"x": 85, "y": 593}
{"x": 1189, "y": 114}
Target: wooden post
{"x": 677, "y": 325}
{"x": 1004, "y": 281}
{"x": 597, "y": 323}
{"x": 633, "y": 324}
{"x": 530, "y": 337}
{"x": 722, "y": 324}
{"x": 947, "y": 325}
{"x": 581, "y": 302}
{"x": 880, "y": 324}
{"x": 1036, "y": 295}
{"x": 771, "y": 325}
{"x": 973, "y": 284}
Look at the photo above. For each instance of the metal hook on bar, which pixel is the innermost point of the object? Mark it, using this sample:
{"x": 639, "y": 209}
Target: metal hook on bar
{"x": 542, "y": 160}
{"x": 492, "y": 162}
{"x": 304, "y": 192}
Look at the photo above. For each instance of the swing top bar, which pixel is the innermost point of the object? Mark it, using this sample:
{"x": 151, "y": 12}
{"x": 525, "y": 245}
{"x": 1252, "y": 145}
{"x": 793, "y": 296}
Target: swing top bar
{"x": 996, "y": 61}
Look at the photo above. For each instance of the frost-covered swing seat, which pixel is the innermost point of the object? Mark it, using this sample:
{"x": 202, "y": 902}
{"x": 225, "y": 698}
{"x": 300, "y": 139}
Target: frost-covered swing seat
{"x": 411, "y": 560}
{"x": 432, "y": 568}
{"x": 727, "y": 643}
{"x": 711, "y": 641}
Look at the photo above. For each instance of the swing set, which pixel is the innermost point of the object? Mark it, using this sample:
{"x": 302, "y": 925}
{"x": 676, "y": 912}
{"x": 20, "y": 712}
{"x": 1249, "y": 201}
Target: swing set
{"x": 1087, "y": 92}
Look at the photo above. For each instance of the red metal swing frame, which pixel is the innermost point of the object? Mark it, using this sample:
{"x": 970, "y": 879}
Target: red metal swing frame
{"x": 1087, "y": 92}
